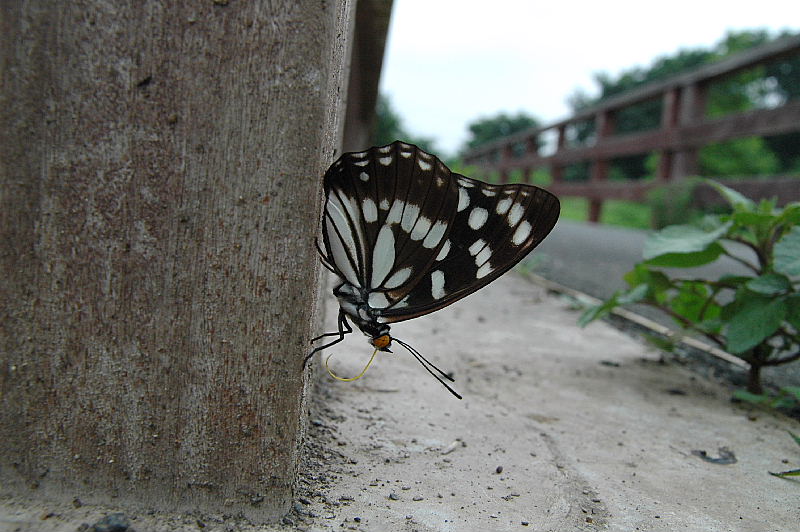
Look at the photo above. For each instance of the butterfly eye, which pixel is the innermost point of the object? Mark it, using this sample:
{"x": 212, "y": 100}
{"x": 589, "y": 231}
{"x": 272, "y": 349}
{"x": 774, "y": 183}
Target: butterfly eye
{"x": 382, "y": 342}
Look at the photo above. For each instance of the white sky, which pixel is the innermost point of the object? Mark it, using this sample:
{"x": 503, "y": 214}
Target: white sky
{"x": 449, "y": 62}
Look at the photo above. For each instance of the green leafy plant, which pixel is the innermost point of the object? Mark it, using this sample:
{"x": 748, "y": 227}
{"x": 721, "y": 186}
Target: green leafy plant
{"x": 791, "y": 472}
{"x": 755, "y": 317}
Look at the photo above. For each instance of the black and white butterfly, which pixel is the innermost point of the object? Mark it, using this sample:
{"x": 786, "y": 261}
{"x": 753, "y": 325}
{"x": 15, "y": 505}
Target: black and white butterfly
{"x": 406, "y": 236}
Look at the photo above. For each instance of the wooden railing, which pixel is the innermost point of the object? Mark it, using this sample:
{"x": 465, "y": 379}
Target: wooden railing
{"x": 684, "y": 129}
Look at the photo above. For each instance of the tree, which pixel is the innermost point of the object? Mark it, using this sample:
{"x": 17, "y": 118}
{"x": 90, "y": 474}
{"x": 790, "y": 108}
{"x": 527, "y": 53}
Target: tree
{"x": 743, "y": 91}
{"x": 389, "y": 127}
{"x": 495, "y": 127}
{"x": 157, "y": 221}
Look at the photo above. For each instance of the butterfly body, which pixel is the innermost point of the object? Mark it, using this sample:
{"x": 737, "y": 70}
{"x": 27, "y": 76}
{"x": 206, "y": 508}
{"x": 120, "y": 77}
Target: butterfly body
{"x": 406, "y": 236}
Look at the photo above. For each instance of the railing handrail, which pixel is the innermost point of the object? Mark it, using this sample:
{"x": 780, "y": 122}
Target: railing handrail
{"x": 701, "y": 75}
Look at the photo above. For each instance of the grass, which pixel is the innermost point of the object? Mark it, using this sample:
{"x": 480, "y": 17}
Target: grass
{"x": 615, "y": 212}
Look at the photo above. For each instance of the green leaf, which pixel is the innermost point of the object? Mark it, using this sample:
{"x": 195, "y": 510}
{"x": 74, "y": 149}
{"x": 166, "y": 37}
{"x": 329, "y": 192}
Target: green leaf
{"x": 757, "y": 318}
{"x": 657, "y": 282}
{"x": 752, "y": 398}
{"x": 754, "y": 219}
{"x": 790, "y": 214}
{"x": 688, "y": 260}
{"x": 597, "y": 311}
{"x": 632, "y": 296}
{"x": 682, "y": 239}
{"x": 690, "y": 302}
{"x": 737, "y": 200}
{"x": 791, "y": 473}
{"x": 787, "y": 253}
{"x": 769, "y": 284}
{"x": 793, "y": 311}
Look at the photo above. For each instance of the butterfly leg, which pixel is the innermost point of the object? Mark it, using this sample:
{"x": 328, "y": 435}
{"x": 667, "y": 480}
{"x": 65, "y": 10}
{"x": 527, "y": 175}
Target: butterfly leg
{"x": 344, "y": 328}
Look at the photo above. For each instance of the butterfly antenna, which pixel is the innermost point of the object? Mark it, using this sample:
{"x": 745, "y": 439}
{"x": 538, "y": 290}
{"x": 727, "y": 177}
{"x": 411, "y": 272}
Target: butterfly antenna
{"x": 425, "y": 363}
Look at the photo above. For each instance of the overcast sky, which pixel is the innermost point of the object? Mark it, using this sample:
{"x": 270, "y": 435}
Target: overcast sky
{"x": 449, "y": 62}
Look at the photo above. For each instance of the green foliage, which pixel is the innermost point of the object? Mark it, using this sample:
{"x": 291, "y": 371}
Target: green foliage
{"x": 757, "y": 316}
{"x": 615, "y": 212}
{"x": 389, "y": 127}
{"x": 758, "y": 87}
{"x": 672, "y": 204}
{"x": 496, "y": 127}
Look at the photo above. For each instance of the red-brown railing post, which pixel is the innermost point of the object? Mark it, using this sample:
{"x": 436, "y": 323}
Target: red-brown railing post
{"x": 669, "y": 121}
{"x": 691, "y": 110}
{"x": 604, "y": 126}
{"x": 556, "y": 169}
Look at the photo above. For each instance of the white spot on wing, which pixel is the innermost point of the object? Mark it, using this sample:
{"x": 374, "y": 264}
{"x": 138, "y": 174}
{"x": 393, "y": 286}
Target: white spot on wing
{"x": 503, "y": 205}
{"x": 405, "y": 154}
{"x": 400, "y": 304}
{"x": 477, "y": 217}
{"x": 385, "y": 161}
{"x": 484, "y": 270}
{"x": 384, "y": 204}
{"x": 410, "y": 215}
{"x": 437, "y": 284}
{"x": 466, "y": 183}
{"x": 361, "y": 163}
{"x": 385, "y": 149}
{"x": 521, "y": 234}
{"x": 370, "y": 210}
{"x": 423, "y": 165}
{"x": 364, "y": 176}
{"x": 435, "y": 235}
{"x": 489, "y": 193}
{"x": 398, "y": 278}
{"x": 477, "y": 246}
{"x": 382, "y": 255}
{"x": 444, "y": 251}
{"x": 420, "y": 228}
{"x": 335, "y": 220}
{"x": 483, "y": 256}
{"x": 377, "y": 300}
{"x": 515, "y": 215}
{"x": 359, "y": 154}
{"x": 463, "y": 199}
{"x": 396, "y": 214}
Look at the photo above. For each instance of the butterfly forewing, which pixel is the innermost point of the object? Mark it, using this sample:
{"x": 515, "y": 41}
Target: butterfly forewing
{"x": 418, "y": 237}
{"x": 386, "y": 215}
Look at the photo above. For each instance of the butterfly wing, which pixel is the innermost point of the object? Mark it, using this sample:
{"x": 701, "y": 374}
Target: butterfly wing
{"x": 494, "y": 227}
{"x": 415, "y": 237}
{"x": 387, "y": 211}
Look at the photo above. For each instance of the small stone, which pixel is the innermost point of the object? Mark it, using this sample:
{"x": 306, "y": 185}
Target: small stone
{"x": 417, "y": 498}
{"x": 524, "y": 523}
{"x": 77, "y": 503}
{"x": 394, "y": 497}
{"x": 112, "y": 523}
{"x": 357, "y": 519}
{"x": 499, "y": 469}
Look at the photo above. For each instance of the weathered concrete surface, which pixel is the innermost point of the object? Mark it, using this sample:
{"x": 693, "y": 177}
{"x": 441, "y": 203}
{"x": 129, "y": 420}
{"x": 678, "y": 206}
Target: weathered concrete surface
{"x": 584, "y": 444}
{"x": 591, "y": 430}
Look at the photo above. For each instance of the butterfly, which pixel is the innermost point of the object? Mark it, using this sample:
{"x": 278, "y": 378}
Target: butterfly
{"x": 406, "y": 237}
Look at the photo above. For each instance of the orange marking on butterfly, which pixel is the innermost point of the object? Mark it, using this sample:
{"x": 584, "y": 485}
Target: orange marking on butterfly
{"x": 382, "y": 342}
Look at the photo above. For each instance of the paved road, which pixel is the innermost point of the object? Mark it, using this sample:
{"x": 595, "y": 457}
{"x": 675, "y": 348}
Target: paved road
{"x": 593, "y": 258}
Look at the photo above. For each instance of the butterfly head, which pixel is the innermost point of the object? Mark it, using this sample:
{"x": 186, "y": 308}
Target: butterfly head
{"x": 382, "y": 342}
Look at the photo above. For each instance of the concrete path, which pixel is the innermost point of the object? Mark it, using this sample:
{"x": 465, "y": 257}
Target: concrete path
{"x": 560, "y": 429}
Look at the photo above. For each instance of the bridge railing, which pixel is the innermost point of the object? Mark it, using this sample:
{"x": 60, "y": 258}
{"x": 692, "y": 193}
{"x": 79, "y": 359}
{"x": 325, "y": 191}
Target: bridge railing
{"x": 684, "y": 129}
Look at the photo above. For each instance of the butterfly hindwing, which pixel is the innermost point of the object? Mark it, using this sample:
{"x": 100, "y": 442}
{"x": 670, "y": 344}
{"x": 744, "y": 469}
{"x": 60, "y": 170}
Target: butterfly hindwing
{"x": 495, "y": 226}
{"x": 417, "y": 237}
